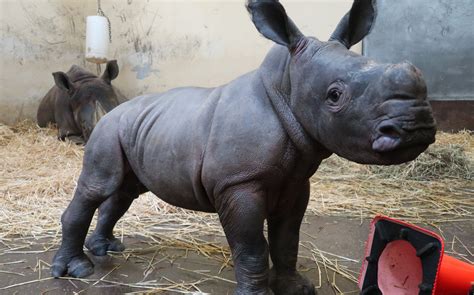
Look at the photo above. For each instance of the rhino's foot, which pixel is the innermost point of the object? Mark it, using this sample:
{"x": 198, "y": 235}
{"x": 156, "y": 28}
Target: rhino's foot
{"x": 99, "y": 245}
{"x": 290, "y": 284}
{"x": 77, "y": 266}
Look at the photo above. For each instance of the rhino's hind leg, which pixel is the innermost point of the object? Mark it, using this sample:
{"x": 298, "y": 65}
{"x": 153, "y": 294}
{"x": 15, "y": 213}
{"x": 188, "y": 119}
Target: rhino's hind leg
{"x": 102, "y": 176}
{"x": 283, "y": 235}
{"x": 70, "y": 258}
{"x": 103, "y": 239}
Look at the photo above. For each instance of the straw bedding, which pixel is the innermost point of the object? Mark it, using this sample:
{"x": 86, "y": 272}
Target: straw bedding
{"x": 436, "y": 187}
{"x": 39, "y": 174}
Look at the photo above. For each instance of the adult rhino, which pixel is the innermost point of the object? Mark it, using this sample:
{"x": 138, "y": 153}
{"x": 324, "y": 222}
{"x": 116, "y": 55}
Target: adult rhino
{"x": 246, "y": 150}
{"x": 78, "y": 100}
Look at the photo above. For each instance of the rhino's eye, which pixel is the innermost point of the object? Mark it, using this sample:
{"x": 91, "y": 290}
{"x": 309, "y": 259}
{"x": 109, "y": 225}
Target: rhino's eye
{"x": 334, "y": 95}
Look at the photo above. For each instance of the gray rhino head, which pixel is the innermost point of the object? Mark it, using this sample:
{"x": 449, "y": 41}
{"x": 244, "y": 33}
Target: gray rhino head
{"x": 362, "y": 110}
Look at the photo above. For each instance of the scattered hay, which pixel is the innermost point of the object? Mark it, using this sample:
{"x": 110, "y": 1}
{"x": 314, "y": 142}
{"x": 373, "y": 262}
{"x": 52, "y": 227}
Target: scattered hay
{"x": 438, "y": 162}
{"x": 38, "y": 177}
{"x": 39, "y": 174}
{"x": 436, "y": 187}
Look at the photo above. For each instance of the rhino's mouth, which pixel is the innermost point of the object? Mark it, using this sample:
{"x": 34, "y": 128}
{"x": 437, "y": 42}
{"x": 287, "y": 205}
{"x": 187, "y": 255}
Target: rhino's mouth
{"x": 391, "y": 138}
{"x": 386, "y": 143}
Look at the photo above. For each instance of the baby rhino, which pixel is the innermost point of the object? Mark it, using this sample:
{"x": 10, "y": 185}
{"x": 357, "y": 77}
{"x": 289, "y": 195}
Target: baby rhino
{"x": 78, "y": 101}
{"x": 246, "y": 150}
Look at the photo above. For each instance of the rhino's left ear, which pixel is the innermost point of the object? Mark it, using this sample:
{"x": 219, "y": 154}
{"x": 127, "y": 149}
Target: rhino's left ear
{"x": 356, "y": 24}
{"x": 271, "y": 20}
{"x": 63, "y": 82}
{"x": 111, "y": 71}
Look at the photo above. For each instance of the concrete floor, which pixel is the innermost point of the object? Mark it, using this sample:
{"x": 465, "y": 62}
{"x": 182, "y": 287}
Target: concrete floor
{"x": 339, "y": 236}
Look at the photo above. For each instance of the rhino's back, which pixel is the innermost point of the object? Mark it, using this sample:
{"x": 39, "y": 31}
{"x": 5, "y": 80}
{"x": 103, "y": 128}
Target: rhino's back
{"x": 45, "y": 113}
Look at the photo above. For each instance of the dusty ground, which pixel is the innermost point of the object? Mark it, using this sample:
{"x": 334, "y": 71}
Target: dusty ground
{"x": 174, "y": 251}
{"x": 145, "y": 265}
{"x": 174, "y": 265}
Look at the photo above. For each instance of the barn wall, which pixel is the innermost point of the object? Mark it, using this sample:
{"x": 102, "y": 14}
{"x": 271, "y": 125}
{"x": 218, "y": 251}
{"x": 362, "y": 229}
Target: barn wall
{"x": 158, "y": 44}
{"x": 37, "y": 37}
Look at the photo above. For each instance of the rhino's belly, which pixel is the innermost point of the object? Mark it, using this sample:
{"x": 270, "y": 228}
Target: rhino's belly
{"x": 180, "y": 196}
{"x": 165, "y": 143}
{"x": 174, "y": 177}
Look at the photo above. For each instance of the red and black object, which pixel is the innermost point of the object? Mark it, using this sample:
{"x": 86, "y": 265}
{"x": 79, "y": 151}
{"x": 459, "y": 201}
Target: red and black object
{"x": 402, "y": 258}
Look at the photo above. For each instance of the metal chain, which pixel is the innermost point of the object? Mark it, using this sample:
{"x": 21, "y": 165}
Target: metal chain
{"x": 101, "y": 13}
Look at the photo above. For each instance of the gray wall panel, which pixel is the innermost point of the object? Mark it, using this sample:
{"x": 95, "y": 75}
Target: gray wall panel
{"x": 435, "y": 35}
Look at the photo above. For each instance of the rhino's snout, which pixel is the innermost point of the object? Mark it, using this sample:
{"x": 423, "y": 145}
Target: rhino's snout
{"x": 88, "y": 117}
{"x": 409, "y": 121}
{"x": 99, "y": 112}
{"x": 86, "y": 131}
{"x": 396, "y": 134}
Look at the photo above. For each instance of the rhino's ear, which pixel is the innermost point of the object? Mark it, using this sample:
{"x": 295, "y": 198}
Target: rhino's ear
{"x": 270, "y": 19}
{"x": 62, "y": 81}
{"x": 111, "y": 71}
{"x": 356, "y": 24}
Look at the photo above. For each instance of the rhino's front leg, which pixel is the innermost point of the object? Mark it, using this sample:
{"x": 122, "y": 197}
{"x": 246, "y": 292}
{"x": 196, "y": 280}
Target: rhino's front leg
{"x": 242, "y": 213}
{"x": 283, "y": 235}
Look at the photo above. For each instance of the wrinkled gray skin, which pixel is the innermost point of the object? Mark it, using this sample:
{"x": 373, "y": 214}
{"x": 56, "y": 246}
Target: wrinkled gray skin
{"x": 78, "y": 100}
{"x": 246, "y": 150}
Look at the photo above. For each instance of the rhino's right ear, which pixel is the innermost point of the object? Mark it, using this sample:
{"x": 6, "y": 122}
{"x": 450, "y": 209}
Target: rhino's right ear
{"x": 62, "y": 81}
{"x": 111, "y": 71}
{"x": 271, "y": 20}
{"x": 356, "y": 24}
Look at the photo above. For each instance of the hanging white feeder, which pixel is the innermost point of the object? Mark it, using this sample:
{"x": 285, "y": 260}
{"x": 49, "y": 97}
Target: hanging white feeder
{"x": 97, "y": 39}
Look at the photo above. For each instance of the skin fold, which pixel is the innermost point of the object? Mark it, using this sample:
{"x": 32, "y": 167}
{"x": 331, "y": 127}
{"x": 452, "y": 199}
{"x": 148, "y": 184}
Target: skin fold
{"x": 78, "y": 100}
{"x": 247, "y": 149}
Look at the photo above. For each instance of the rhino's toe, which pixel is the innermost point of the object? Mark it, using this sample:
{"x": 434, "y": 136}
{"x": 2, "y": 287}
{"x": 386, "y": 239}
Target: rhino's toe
{"x": 58, "y": 269}
{"x": 291, "y": 284}
{"x": 116, "y": 245}
{"x": 99, "y": 245}
{"x": 80, "y": 267}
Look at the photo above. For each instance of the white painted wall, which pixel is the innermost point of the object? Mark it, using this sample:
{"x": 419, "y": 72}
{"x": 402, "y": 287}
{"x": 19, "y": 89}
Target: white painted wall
{"x": 158, "y": 44}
